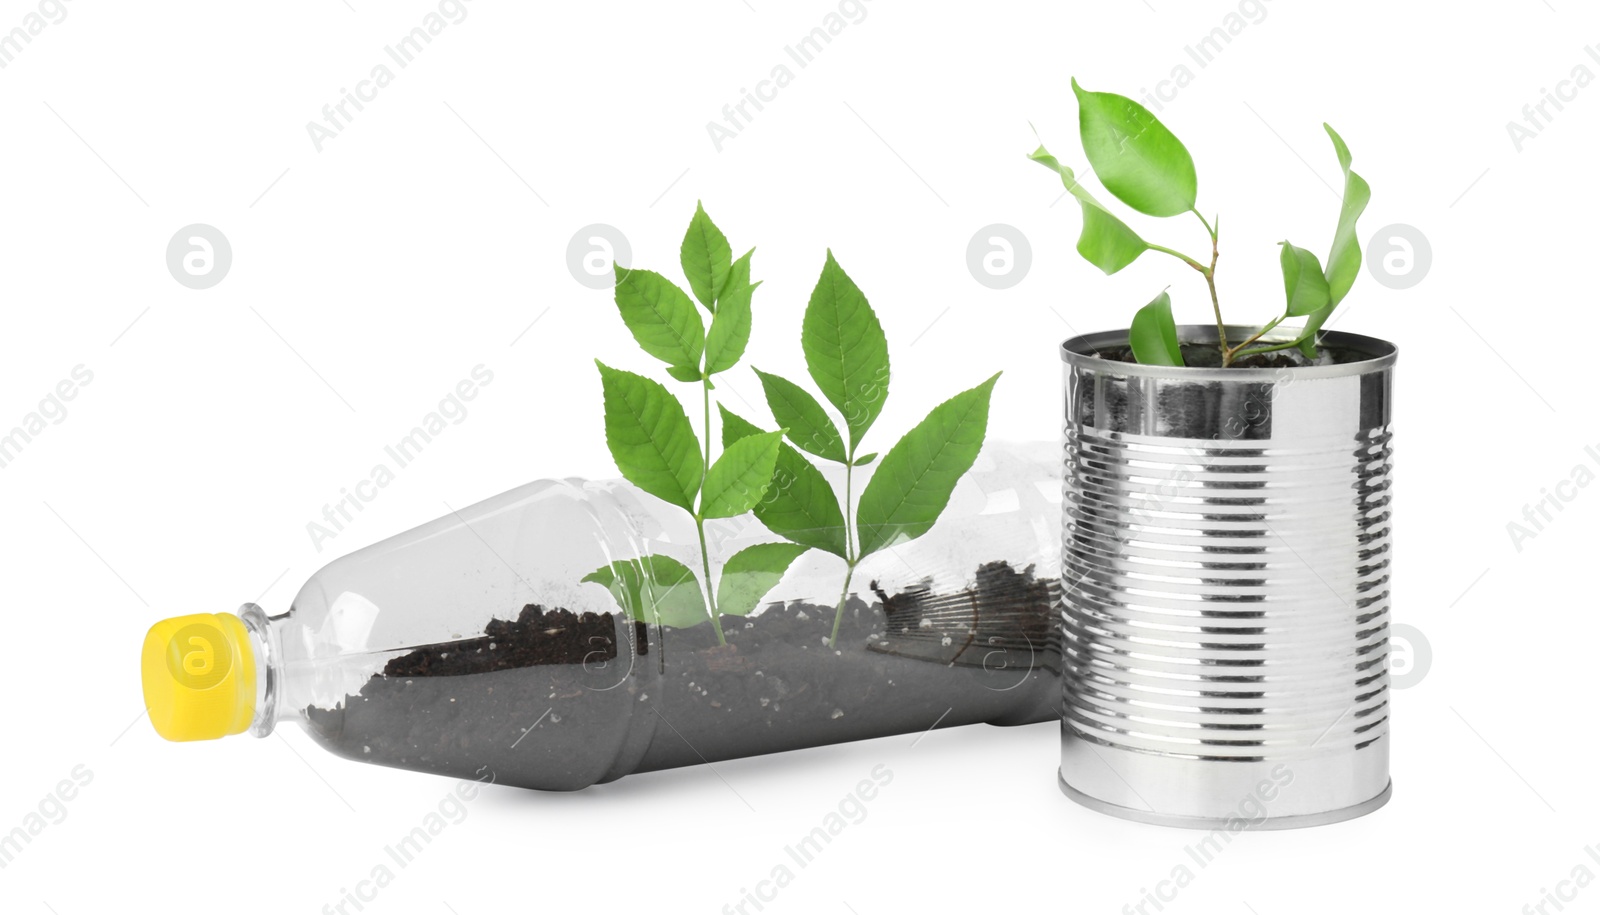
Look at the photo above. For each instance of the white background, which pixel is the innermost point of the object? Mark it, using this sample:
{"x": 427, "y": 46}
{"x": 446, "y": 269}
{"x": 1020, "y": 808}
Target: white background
{"x": 369, "y": 277}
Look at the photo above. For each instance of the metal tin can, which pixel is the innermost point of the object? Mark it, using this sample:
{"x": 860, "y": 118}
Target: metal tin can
{"x": 1226, "y": 560}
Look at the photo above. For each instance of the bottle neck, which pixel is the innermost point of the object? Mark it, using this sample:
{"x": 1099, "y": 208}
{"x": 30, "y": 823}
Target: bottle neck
{"x": 269, "y": 668}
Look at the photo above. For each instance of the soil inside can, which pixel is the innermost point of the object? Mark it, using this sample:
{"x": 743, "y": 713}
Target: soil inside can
{"x": 1208, "y": 355}
{"x": 559, "y": 700}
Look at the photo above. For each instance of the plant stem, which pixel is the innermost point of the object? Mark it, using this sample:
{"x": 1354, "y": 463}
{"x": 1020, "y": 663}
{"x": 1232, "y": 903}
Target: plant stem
{"x": 700, "y": 522}
{"x": 850, "y": 558}
{"x": 1270, "y": 349}
{"x": 1257, "y": 335}
{"x": 1180, "y": 256}
{"x": 1216, "y": 307}
{"x": 844, "y": 595}
{"x": 711, "y": 595}
{"x": 849, "y": 529}
{"x": 1210, "y": 273}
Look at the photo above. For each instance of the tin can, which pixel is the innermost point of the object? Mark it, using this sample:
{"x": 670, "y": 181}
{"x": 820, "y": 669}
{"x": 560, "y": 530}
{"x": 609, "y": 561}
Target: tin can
{"x": 1226, "y": 559}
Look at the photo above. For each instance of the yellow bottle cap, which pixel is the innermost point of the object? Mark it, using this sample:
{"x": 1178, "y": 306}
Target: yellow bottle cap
{"x": 199, "y": 676}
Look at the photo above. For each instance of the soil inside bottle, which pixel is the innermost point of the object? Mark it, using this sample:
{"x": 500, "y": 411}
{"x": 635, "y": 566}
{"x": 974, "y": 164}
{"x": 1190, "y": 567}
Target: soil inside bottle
{"x": 546, "y": 700}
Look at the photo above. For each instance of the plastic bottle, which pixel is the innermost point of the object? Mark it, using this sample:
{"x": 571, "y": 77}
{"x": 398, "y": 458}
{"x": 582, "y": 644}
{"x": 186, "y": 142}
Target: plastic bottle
{"x": 473, "y": 645}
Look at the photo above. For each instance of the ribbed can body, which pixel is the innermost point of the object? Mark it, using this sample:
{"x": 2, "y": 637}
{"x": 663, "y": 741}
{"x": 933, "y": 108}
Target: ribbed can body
{"x": 1226, "y": 560}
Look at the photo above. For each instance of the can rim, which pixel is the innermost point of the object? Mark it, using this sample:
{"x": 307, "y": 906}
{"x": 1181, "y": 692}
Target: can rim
{"x": 1079, "y": 352}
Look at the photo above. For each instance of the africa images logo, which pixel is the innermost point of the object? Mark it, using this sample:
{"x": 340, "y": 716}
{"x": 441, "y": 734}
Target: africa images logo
{"x": 199, "y": 656}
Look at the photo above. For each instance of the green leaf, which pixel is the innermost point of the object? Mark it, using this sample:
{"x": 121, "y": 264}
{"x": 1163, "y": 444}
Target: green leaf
{"x": 913, "y": 483}
{"x": 736, "y": 427}
{"x": 658, "y": 590}
{"x": 650, "y": 437}
{"x": 706, "y": 258}
{"x": 1105, "y": 240}
{"x": 740, "y": 477}
{"x": 730, "y": 329}
{"x": 1304, "y": 286}
{"x": 797, "y": 411}
{"x": 799, "y": 505}
{"x": 1153, "y": 336}
{"x": 846, "y": 352}
{"x": 865, "y": 459}
{"x": 1344, "y": 257}
{"x": 738, "y": 274}
{"x": 729, "y": 335}
{"x": 660, "y": 316}
{"x": 750, "y": 573}
{"x": 685, "y": 372}
{"x": 1134, "y": 155}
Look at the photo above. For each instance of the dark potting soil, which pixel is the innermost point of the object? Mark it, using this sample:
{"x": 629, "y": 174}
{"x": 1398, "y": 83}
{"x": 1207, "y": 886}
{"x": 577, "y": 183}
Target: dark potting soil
{"x": 558, "y": 700}
{"x": 1206, "y": 355}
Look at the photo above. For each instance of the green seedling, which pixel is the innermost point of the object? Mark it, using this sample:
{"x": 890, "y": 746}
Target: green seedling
{"x": 1141, "y": 163}
{"x": 656, "y": 448}
{"x": 847, "y": 357}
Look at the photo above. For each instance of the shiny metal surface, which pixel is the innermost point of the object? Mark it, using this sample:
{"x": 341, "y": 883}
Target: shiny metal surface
{"x": 1225, "y": 571}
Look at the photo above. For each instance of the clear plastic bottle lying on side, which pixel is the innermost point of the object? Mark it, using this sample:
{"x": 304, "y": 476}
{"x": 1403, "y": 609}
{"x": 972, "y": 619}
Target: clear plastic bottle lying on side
{"x": 489, "y": 641}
